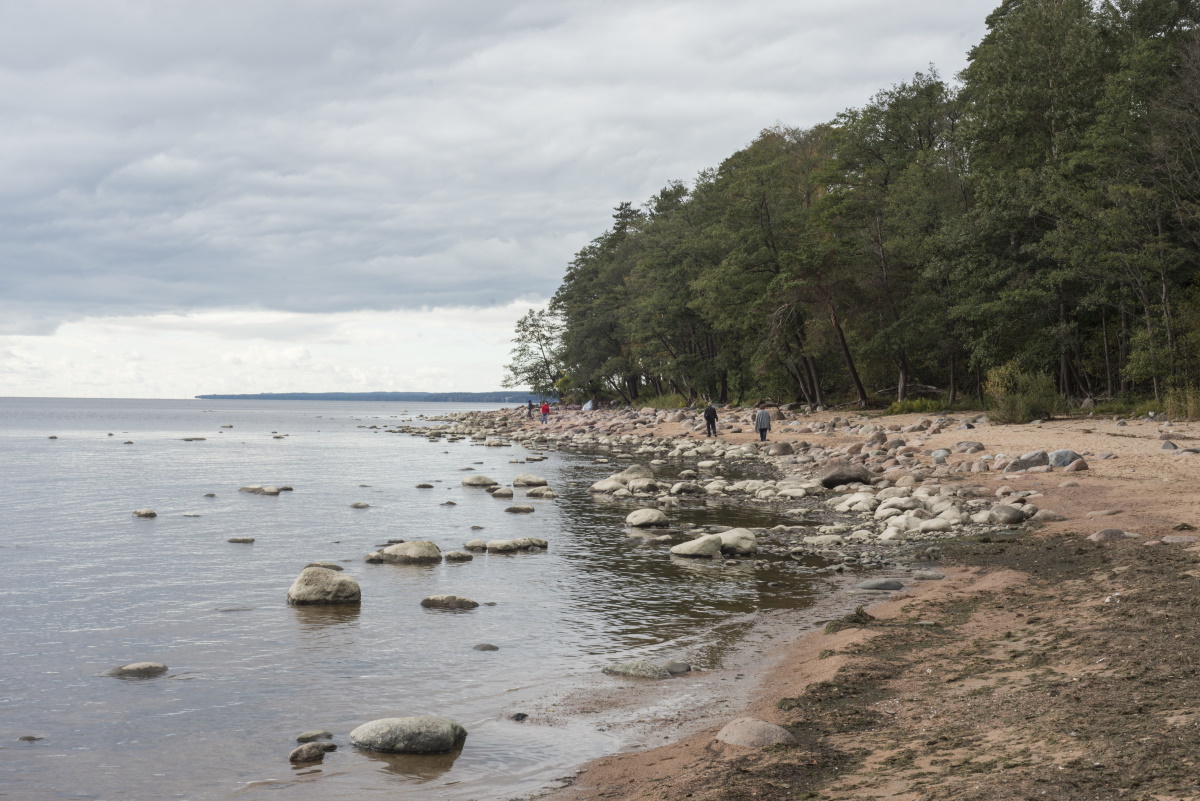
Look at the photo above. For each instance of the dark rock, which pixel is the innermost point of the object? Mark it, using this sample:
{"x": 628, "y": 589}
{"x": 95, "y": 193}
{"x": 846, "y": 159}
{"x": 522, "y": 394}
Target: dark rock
{"x": 311, "y": 752}
{"x": 486, "y": 646}
{"x": 838, "y": 473}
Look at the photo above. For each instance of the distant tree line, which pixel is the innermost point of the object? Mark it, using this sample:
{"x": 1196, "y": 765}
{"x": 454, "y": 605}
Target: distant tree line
{"x": 397, "y": 397}
{"x": 1042, "y": 213}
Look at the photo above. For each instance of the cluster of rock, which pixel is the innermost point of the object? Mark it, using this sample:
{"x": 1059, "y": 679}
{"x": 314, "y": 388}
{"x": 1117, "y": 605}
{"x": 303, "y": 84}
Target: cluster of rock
{"x": 426, "y": 734}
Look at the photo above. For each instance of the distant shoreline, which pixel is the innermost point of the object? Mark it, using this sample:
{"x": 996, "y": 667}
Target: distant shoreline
{"x": 403, "y": 397}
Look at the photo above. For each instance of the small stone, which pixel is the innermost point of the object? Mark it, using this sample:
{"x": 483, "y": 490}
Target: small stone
{"x": 139, "y": 670}
{"x": 424, "y": 486}
{"x": 448, "y": 602}
{"x": 31, "y": 738}
{"x": 1107, "y": 535}
{"x": 145, "y": 513}
{"x": 241, "y": 540}
{"x": 880, "y": 584}
{"x": 311, "y": 752}
{"x": 520, "y": 510}
{"x": 518, "y": 716}
{"x": 676, "y": 668}
{"x": 486, "y": 646}
{"x": 314, "y": 734}
{"x": 360, "y": 505}
{"x": 638, "y": 669}
{"x": 928, "y": 575}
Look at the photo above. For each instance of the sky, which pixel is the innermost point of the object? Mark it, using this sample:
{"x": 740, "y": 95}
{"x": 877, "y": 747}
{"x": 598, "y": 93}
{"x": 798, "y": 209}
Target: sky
{"x": 209, "y": 196}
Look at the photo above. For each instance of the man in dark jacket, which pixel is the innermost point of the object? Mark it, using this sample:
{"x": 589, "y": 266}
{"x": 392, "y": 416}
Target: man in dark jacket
{"x": 762, "y": 422}
{"x": 710, "y": 420}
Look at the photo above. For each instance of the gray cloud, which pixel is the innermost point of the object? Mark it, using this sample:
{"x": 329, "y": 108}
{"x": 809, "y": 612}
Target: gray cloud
{"x": 371, "y": 154}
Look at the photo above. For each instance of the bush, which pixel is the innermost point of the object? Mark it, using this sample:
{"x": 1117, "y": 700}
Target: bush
{"x": 672, "y": 401}
{"x": 915, "y": 406}
{"x": 1016, "y": 396}
{"x": 1183, "y": 403}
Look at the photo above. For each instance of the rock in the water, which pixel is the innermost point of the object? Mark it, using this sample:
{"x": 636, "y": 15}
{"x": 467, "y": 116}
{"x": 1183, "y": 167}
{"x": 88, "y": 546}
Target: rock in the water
{"x": 458, "y": 556}
{"x": 752, "y": 733}
{"x": 314, "y": 734}
{"x": 311, "y": 752}
{"x": 705, "y": 547}
{"x": 138, "y": 670}
{"x": 519, "y": 510}
{"x": 738, "y": 542}
{"x": 638, "y": 669}
{"x": 241, "y": 540}
{"x": 360, "y": 505}
{"x": 838, "y": 473}
{"x": 427, "y": 734}
{"x": 327, "y": 565}
{"x": 529, "y": 480}
{"x": 880, "y": 584}
{"x": 486, "y": 646}
{"x": 424, "y": 486}
{"x": 644, "y": 518}
{"x": 448, "y": 602}
{"x": 145, "y": 513}
{"x": 479, "y": 481}
{"x": 503, "y": 493}
{"x": 320, "y": 585}
{"x": 408, "y": 553}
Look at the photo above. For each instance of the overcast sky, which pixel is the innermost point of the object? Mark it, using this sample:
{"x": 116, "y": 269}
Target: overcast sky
{"x": 320, "y": 195}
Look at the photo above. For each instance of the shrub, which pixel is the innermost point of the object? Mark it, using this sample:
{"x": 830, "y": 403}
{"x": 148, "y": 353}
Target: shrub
{"x": 1016, "y": 396}
{"x": 1183, "y": 403}
{"x": 671, "y": 401}
{"x": 915, "y": 406}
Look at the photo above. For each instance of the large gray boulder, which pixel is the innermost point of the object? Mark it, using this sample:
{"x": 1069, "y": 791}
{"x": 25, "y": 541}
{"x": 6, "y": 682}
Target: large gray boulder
{"x": 780, "y": 449}
{"x": 1062, "y": 457}
{"x": 644, "y": 518}
{"x": 606, "y": 485}
{"x": 632, "y": 472}
{"x": 408, "y": 553}
{"x": 738, "y": 542}
{"x": 479, "y": 480}
{"x": 1028, "y": 460}
{"x": 752, "y": 733}
{"x": 426, "y": 734}
{"x": 320, "y": 585}
{"x": 880, "y": 584}
{"x": 529, "y": 480}
{"x": 837, "y": 473}
{"x": 705, "y": 547}
{"x": 638, "y": 669}
{"x": 1005, "y": 515}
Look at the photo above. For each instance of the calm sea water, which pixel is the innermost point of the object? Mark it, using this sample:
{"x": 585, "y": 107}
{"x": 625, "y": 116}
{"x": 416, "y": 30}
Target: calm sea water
{"x": 85, "y": 586}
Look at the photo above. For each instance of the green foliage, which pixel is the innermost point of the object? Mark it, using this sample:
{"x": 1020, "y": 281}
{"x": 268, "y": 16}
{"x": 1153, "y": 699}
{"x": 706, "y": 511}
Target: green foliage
{"x": 671, "y": 401}
{"x": 1182, "y": 403}
{"x": 915, "y": 406}
{"x": 536, "y": 364}
{"x": 1016, "y": 396}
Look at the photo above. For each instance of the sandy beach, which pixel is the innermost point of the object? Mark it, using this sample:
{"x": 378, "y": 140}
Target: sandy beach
{"x": 1045, "y": 665}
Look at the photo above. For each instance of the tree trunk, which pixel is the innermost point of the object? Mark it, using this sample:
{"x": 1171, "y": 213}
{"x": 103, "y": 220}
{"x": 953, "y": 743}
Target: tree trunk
{"x": 1108, "y": 376}
{"x": 847, "y": 356}
{"x": 979, "y": 387}
{"x": 1122, "y": 353}
{"x": 723, "y": 386}
{"x": 818, "y": 394}
{"x": 902, "y": 378}
{"x": 953, "y": 379}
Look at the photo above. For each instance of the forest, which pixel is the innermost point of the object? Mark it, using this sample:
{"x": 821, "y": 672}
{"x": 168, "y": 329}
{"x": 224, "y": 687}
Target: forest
{"x": 1033, "y": 223}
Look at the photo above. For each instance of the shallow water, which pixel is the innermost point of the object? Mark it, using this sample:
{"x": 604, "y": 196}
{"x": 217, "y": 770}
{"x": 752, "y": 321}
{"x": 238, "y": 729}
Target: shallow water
{"x": 86, "y": 587}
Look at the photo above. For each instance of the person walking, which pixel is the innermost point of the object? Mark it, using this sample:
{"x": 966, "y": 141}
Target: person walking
{"x": 545, "y": 411}
{"x": 762, "y": 422}
{"x": 710, "y": 420}
{"x": 529, "y": 409}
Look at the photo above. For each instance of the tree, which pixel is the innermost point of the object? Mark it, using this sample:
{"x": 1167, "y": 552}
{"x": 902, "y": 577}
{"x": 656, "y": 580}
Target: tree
{"x": 536, "y": 364}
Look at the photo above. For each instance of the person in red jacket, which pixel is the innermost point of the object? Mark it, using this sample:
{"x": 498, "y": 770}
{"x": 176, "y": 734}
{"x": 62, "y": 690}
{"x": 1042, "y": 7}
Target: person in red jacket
{"x": 545, "y": 411}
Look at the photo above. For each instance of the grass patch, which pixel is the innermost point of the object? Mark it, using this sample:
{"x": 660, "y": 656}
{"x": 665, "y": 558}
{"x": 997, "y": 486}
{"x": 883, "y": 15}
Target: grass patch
{"x": 856, "y": 619}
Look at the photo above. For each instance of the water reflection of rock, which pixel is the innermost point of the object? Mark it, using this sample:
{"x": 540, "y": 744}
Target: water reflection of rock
{"x": 319, "y": 617}
{"x": 414, "y": 767}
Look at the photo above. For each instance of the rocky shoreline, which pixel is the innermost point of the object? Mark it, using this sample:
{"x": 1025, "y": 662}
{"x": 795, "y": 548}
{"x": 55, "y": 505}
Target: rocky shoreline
{"x": 965, "y": 688}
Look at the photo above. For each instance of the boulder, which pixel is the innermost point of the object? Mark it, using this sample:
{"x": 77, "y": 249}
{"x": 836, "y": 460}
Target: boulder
{"x": 426, "y": 734}
{"x": 138, "y": 670}
{"x": 780, "y": 449}
{"x": 520, "y": 510}
{"x": 1107, "y": 535}
{"x": 705, "y": 547}
{"x": 486, "y": 646}
{"x": 479, "y": 480}
{"x": 320, "y": 585}
{"x": 738, "y": 542}
{"x": 644, "y": 518}
{"x": 311, "y": 752}
{"x": 632, "y": 472}
{"x": 540, "y": 492}
{"x": 241, "y": 540}
{"x": 145, "y": 513}
{"x": 1076, "y": 466}
{"x": 408, "y": 553}
{"x": 458, "y": 556}
{"x": 529, "y": 480}
{"x": 1005, "y": 515}
{"x": 1062, "y": 457}
{"x": 837, "y": 473}
{"x": 752, "y": 733}
{"x": 638, "y": 669}
{"x": 503, "y": 493}
{"x": 607, "y": 485}
{"x": 1028, "y": 460}
{"x": 880, "y": 584}
{"x": 448, "y": 602}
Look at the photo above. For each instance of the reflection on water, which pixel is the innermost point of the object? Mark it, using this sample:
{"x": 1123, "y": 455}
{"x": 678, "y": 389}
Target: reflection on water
{"x": 248, "y": 672}
{"x": 416, "y": 767}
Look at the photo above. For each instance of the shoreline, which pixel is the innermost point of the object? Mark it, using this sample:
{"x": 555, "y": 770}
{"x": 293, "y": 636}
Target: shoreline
{"x": 926, "y": 726}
